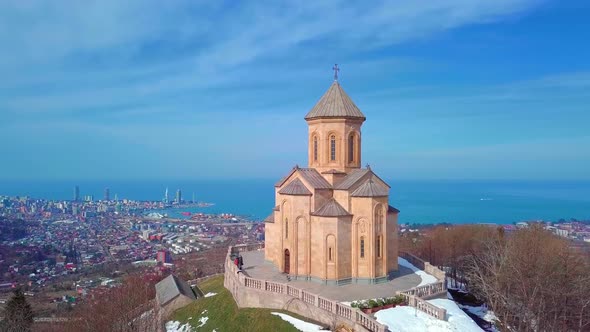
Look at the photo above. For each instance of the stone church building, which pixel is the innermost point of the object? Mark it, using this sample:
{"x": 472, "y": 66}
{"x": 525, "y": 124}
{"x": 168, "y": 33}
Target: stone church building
{"x": 332, "y": 222}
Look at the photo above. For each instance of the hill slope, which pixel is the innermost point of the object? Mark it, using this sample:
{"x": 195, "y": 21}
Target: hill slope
{"x": 220, "y": 313}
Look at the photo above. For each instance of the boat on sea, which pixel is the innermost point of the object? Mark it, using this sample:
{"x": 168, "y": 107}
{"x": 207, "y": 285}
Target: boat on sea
{"x": 187, "y": 214}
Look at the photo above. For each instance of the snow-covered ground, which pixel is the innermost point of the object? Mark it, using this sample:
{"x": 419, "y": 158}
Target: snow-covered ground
{"x": 210, "y": 294}
{"x": 481, "y": 312}
{"x": 298, "y": 323}
{"x": 174, "y": 326}
{"x": 408, "y": 319}
{"x": 426, "y": 278}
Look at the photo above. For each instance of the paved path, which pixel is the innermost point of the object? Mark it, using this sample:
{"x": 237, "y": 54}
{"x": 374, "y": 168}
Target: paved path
{"x": 256, "y": 267}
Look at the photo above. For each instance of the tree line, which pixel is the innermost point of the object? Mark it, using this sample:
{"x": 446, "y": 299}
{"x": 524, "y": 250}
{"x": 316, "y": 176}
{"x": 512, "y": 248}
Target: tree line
{"x": 532, "y": 279}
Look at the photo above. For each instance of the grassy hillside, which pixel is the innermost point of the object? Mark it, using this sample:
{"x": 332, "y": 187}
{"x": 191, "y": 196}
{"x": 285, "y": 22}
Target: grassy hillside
{"x": 224, "y": 314}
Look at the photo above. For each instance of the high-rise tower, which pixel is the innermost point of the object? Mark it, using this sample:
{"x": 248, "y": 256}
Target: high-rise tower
{"x": 76, "y": 193}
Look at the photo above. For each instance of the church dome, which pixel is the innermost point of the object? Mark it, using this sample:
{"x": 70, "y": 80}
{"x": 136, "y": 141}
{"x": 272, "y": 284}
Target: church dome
{"x": 335, "y": 103}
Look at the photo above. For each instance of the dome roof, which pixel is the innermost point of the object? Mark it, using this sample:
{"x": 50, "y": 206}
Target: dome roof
{"x": 335, "y": 103}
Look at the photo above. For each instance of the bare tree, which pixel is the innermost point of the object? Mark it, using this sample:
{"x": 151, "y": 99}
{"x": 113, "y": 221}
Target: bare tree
{"x": 533, "y": 280}
{"x": 127, "y": 308}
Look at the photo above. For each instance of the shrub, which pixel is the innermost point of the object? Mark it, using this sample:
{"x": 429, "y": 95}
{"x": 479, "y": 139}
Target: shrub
{"x": 399, "y": 299}
{"x": 373, "y": 304}
{"x": 380, "y": 302}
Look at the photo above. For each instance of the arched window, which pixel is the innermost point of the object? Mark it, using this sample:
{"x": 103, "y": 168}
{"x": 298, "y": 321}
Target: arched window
{"x": 351, "y": 148}
{"x": 315, "y": 148}
{"x": 286, "y": 228}
{"x": 378, "y": 218}
{"x": 362, "y": 247}
{"x": 333, "y": 148}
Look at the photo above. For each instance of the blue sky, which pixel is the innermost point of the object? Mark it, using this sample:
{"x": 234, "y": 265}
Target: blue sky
{"x": 457, "y": 89}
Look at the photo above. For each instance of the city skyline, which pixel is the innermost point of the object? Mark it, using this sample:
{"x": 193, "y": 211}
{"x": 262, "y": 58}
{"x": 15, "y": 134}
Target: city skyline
{"x": 453, "y": 90}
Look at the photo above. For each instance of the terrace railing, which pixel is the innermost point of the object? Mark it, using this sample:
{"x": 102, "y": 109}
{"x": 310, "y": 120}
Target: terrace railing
{"x": 415, "y": 297}
{"x": 329, "y": 306}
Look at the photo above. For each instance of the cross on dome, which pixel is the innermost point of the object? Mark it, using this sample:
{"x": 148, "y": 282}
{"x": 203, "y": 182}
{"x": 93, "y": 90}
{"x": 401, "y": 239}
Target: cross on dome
{"x": 336, "y": 70}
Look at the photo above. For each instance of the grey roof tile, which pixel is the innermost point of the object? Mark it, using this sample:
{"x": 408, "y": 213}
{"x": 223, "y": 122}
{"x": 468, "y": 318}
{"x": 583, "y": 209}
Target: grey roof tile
{"x": 352, "y": 178}
{"x": 295, "y": 187}
{"x": 391, "y": 209}
{"x": 333, "y": 171}
{"x": 335, "y": 103}
{"x": 314, "y": 178}
{"x": 270, "y": 218}
{"x": 286, "y": 177}
{"x": 370, "y": 189}
{"x": 310, "y": 175}
{"x": 331, "y": 209}
{"x": 171, "y": 287}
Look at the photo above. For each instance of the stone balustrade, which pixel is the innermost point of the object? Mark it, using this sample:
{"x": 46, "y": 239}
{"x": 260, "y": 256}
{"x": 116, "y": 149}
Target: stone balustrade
{"x": 427, "y": 290}
{"x": 425, "y": 306}
{"x": 328, "y": 306}
{"x": 423, "y": 265}
{"x": 415, "y": 297}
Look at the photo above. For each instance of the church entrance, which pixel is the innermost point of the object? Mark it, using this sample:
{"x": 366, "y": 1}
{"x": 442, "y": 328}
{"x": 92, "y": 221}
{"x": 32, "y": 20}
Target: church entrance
{"x": 287, "y": 262}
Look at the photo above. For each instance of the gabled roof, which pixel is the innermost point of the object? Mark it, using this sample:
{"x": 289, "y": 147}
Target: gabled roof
{"x": 391, "y": 209}
{"x": 270, "y": 218}
{"x": 335, "y": 103}
{"x": 310, "y": 175}
{"x": 352, "y": 178}
{"x": 295, "y": 187}
{"x": 370, "y": 189}
{"x": 171, "y": 287}
{"x": 333, "y": 171}
{"x": 355, "y": 176}
{"x": 331, "y": 209}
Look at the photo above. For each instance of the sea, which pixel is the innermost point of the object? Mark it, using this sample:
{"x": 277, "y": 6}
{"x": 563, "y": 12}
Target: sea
{"x": 424, "y": 202}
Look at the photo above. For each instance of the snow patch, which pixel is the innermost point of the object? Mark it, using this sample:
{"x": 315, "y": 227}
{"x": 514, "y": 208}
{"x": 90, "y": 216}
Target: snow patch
{"x": 202, "y": 321}
{"x": 298, "y": 323}
{"x": 426, "y": 278}
{"x": 210, "y": 294}
{"x": 408, "y": 319}
{"x": 174, "y": 326}
{"x": 482, "y": 312}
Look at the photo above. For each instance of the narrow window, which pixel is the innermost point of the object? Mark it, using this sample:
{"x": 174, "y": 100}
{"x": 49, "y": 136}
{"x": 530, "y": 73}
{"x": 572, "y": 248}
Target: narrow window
{"x": 333, "y": 148}
{"x": 351, "y": 148}
{"x": 315, "y": 148}
{"x": 286, "y": 228}
{"x": 330, "y": 254}
{"x": 362, "y": 247}
{"x": 379, "y": 246}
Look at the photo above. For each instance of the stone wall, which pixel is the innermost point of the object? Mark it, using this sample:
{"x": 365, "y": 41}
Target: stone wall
{"x": 257, "y": 293}
{"x": 417, "y": 296}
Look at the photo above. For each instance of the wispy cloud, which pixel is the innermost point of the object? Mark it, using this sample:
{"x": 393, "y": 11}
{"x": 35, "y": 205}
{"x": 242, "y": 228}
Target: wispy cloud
{"x": 77, "y": 56}
{"x": 138, "y": 75}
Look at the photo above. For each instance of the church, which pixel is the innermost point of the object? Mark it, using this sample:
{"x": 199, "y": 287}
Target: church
{"x": 332, "y": 222}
